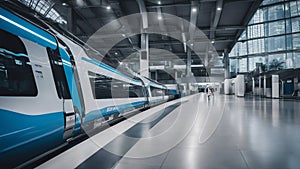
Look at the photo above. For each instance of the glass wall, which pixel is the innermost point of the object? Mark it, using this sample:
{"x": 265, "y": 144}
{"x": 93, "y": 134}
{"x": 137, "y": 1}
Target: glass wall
{"x": 272, "y": 38}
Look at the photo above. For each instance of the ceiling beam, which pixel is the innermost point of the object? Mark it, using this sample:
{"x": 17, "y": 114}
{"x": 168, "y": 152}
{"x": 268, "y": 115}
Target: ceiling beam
{"x": 193, "y": 19}
{"x": 143, "y": 12}
{"x": 188, "y": 4}
{"x": 215, "y": 16}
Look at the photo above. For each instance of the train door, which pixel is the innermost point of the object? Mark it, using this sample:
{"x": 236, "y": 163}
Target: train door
{"x": 63, "y": 91}
{"x": 74, "y": 86}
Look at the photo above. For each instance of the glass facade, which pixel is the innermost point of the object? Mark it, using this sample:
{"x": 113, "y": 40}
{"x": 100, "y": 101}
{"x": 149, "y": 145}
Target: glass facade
{"x": 45, "y": 8}
{"x": 272, "y": 38}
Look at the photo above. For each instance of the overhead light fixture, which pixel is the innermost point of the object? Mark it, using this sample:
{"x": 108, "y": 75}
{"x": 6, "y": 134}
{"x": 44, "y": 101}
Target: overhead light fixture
{"x": 194, "y": 9}
{"x": 159, "y": 2}
{"x": 64, "y": 4}
{"x": 121, "y": 63}
{"x": 192, "y": 44}
{"x": 116, "y": 53}
{"x": 108, "y": 7}
{"x": 219, "y": 8}
{"x": 212, "y": 41}
{"x": 159, "y": 18}
{"x": 123, "y": 35}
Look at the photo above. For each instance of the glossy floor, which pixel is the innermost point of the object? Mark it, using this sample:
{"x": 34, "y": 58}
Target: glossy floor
{"x": 223, "y": 132}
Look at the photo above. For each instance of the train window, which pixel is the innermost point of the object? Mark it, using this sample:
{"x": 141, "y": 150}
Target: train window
{"x": 59, "y": 74}
{"x": 101, "y": 86}
{"x": 136, "y": 91}
{"x": 104, "y": 87}
{"x": 156, "y": 91}
{"x": 16, "y": 76}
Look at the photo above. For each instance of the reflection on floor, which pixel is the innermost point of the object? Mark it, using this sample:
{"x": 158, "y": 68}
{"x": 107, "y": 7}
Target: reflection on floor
{"x": 223, "y": 132}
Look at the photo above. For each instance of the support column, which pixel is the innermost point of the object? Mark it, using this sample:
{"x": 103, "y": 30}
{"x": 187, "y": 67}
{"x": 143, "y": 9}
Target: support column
{"x": 265, "y": 86}
{"x": 275, "y": 86}
{"x": 189, "y": 63}
{"x": 188, "y": 71}
{"x": 226, "y": 64}
{"x": 253, "y": 86}
{"x": 260, "y": 88}
{"x": 227, "y": 82}
{"x": 144, "y": 55}
{"x": 295, "y": 83}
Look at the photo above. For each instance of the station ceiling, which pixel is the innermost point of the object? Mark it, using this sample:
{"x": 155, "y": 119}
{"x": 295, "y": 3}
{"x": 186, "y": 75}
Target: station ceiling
{"x": 222, "y": 21}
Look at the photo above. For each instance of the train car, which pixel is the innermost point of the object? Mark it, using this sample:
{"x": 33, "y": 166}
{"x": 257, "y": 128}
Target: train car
{"x": 52, "y": 88}
{"x": 35, "y": 99}
{"x": 106, "y": 92}
{"x": 156, "y": 92}
{"x": 172, "y": 91}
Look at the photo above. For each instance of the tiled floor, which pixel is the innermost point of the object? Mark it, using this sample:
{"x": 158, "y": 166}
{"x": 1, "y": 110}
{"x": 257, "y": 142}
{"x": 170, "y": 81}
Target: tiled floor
{"x": 226, "y": 132}
{"x": 248, "y": 133}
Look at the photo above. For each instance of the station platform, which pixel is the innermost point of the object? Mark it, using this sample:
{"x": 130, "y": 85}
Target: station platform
{"x": 196, "y": 133}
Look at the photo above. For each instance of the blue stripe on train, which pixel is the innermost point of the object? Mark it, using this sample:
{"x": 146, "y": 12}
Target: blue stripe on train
{"x": 20, "y": 27}
{"x": 18, "y": 129}
{"x": 107, "y": 111}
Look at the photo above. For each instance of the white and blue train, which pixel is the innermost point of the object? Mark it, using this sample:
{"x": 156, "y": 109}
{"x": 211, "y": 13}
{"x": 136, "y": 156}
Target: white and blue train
{"x": 52, "y": 87}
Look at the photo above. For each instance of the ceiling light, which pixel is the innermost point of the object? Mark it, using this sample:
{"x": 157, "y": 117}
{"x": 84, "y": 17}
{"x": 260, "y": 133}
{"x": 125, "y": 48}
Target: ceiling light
{"x": 121, "y": 63}
{"x": 64, "y": 4}
{"x": 116, "y": 53}
{"x": 219, "y": 8}
{"x": 212, "y": 41}
{"x": 123, "y": 35}
{"x": 108, "y": 7}
{"x": 192, "y": 44}
{"x": 159, "y": 2}
{"x": 194, "y": 9}
{"x": 159, "y": 18}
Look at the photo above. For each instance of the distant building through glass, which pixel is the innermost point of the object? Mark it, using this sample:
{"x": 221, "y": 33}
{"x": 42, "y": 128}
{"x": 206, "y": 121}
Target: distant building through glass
{"x": 272, "y": 38}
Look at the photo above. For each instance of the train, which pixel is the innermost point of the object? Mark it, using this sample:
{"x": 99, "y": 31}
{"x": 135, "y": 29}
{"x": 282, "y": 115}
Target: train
{"x": 53, "y": 87}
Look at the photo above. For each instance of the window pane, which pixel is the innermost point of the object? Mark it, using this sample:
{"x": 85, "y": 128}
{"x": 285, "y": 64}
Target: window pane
{"x": 266, "y": 2}
{"x": 289, "y": 45}
{"x": 297, "y": 59}
{"x": 276, "y": 43}
{"x": 289, "y": 61}
{"x": 255, "y": 31}
{"x": 16, "y": 76}
{"x": 256, "y": 46}
{"x": 295, "y": 8}
{"x": 254, "y": 61}
{"x": 242, "y": 48}
{"x": 296, "y": 41}
{"x": 296, "y": 24}
{"x": 234, "y": 51}
{"x": 275, "y": 12}
{"x": 276, "y": 62}
{"x": 258, "y": 17}
{"x": 243, "y": 36}
{"x": 288, "y": 26}
{"x": 233, "y": 65}
{"x": 276, "y": 28}
{"x": 243, "y": 65}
